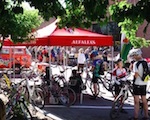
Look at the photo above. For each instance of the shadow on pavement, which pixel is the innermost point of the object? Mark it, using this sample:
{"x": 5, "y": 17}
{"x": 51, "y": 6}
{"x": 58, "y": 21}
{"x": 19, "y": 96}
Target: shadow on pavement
{"x": 90, "y": 109}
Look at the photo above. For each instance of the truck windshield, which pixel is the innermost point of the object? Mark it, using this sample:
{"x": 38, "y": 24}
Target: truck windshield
{"x": 28, "y": 52}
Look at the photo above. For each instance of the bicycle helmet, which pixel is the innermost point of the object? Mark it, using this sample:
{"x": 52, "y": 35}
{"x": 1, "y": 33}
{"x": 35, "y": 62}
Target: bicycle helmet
{"x": 119, "y": 60}
{"x": 135, "y": 51}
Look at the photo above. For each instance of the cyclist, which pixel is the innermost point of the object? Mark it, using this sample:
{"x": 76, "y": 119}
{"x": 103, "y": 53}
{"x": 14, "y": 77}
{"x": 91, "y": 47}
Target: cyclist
{"x": 97, "y": 61}
{"x": 119, "y": 75}
{"x": 139, "y": 86}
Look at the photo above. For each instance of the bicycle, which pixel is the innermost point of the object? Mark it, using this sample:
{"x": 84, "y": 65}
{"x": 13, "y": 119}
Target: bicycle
{"x": 17, "y": 104}
{"x": 102, "y": 79}
{"x": 58, "y": 91}
{"x": 120, "y": 99}
{"x": 33, "y": 93}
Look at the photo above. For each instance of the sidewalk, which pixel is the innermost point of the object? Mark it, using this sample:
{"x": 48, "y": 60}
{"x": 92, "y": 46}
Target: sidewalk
{"x": 38, "y": 116}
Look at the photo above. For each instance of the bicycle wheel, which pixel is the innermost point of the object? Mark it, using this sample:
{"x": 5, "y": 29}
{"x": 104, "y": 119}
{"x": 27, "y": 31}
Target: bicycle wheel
{"x": 92, "y": 88}
{"x": 67, "y": 96}
{"x": 38, "y": 98}
{"x": 116, "y": 108}
{"x": 26, "y": 112}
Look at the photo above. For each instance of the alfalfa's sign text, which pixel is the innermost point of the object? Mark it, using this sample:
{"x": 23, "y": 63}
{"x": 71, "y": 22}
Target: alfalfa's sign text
{"x": 84, "y": 42}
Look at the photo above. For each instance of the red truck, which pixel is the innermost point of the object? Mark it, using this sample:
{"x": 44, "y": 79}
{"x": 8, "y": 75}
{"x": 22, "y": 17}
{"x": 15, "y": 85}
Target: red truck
{"x": 15, "y": 57}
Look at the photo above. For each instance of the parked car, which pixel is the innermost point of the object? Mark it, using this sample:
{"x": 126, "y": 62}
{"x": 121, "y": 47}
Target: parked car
{"x": 15, "y": 57}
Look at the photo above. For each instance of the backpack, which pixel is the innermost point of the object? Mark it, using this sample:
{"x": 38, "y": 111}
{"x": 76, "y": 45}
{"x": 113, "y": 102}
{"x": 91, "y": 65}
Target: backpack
{"x": 100, "y": 67}
{"x": 146, "y": 72}
{"x": 75, "y": 83}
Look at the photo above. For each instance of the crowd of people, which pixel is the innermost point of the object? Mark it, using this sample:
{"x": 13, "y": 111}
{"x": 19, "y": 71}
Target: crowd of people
{"x": 69, "y": 55}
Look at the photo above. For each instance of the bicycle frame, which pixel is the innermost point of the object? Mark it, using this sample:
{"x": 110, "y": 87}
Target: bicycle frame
{"x": 28, "y": 86}
{"x": 126, "y": 87}
{"x": 123, "y": 92}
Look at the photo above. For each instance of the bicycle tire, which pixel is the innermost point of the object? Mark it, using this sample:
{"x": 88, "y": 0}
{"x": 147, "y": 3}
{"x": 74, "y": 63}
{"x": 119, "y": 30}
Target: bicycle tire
{"x": 38, "y": 98}
{"x": 116, "y": 108}
{"x": 25, "y": 110}
{"x": 67, "y": 96}
{"x": 37, "y": 94}
{"x": 92, "y": 90}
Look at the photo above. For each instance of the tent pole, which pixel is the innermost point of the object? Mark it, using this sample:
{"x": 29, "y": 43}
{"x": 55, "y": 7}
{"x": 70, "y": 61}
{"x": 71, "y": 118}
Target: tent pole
{"x": 112, "y": 54}
{"x": 49, "y": 53}
{"x": 14, "y": 66}
{"x": 112, "y": 60}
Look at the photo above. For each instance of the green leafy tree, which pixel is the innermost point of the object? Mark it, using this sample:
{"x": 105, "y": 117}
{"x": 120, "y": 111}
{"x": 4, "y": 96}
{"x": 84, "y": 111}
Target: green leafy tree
{"x": 17, "y": 22}
{"x": 129, "y": 17}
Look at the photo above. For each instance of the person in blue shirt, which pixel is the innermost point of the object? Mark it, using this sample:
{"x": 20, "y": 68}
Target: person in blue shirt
{"x": 97, "y": 61}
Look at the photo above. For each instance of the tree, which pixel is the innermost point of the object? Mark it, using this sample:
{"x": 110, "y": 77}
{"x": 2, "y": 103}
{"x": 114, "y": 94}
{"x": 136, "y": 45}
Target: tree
{"x": 81, "y": 13}
{"x": 17, "y": 22}
{"x": 129, "y": 17}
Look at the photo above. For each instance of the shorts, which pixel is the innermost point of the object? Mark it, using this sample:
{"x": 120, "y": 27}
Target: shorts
{"x": 95, "y": 79}
{"x": 139, "y": 89}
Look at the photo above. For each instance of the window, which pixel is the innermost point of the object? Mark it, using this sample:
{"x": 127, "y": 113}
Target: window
{"x": 109, "y": 29}
{"x": 5, "y": 51}
{"x": 28, "y": 52}
{"x": 18, "y": 51}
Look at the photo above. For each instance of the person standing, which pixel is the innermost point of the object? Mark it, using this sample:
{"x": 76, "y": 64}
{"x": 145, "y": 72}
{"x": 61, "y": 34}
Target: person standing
{"x": 119, "y": 76}
{"x": 105, "y": 59}
{"x": 139, "y": 86}
{"x": 81, "y": 59}
{"x": 97, "y": 66}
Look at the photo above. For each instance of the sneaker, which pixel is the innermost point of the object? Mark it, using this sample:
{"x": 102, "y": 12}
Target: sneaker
{"x": 123, "y": 111}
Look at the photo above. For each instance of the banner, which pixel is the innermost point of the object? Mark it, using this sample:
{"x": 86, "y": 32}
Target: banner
{"x": 125, "y": 47}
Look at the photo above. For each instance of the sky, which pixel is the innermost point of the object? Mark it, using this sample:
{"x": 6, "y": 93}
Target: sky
{"x": 28, "y": 7}
{"x": 62, "y": 3}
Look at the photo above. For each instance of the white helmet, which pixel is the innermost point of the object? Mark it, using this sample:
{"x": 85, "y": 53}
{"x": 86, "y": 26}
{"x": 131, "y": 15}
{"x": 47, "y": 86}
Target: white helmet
{"x": 135, "y": 51}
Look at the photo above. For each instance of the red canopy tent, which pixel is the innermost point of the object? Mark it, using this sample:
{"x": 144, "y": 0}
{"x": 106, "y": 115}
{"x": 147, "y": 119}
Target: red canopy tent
{"x": 78, "y": 37}
{"x": 51, "y": 35}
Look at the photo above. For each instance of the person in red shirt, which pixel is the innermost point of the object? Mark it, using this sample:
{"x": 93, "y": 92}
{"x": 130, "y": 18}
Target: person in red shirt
{"x": 119, "y": 75}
